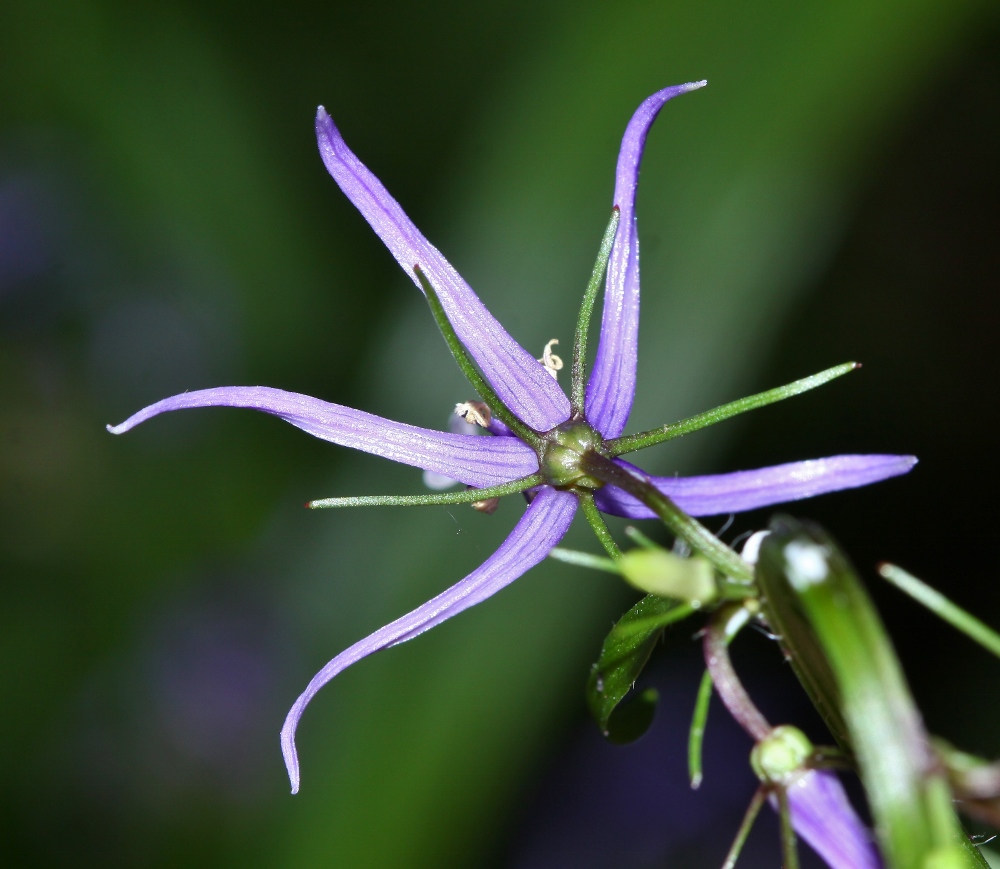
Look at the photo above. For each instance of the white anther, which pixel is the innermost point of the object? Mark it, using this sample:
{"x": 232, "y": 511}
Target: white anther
{"x": 475, "y": 412}
{"x": 553, "y": 364}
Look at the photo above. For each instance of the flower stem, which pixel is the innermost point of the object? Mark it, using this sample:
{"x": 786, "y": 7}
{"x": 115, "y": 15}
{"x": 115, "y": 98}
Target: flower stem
{"x": 468, "y": 496}
{"x": 693, "y": 532}
{"x": 630, "y": 443}
{"x": 578, "y": 386}
{"x": 464, "y": 360}
{"x": 938, "y": 604}
{"x": 725, "y": 624}
{"x": 597, "y": 523}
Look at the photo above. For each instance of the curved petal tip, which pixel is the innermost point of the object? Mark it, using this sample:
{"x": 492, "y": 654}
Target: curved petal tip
{"x": 288, "y": 751}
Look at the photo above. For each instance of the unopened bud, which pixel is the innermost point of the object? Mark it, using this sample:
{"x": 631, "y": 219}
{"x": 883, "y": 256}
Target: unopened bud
{"x": 781, "y": 754}
{"x": 668, "y": 575}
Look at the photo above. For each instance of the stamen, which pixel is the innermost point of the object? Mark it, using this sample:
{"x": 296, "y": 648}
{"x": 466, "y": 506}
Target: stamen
{"x": 489, "y": 506}
{"x": 553, "y": 364}
{"x": 475, "y": 412}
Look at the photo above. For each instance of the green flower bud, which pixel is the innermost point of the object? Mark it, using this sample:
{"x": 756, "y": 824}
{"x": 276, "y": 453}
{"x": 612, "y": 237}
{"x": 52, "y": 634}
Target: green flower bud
{"x": 662, "y": 573}
{"x": 781, "y": 754}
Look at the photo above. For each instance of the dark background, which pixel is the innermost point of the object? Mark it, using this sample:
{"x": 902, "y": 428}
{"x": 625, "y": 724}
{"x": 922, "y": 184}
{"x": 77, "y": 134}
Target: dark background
{"x": 166, "y": 224}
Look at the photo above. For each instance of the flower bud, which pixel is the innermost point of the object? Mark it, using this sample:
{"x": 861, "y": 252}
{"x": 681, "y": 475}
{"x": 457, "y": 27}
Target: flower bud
{"x": 663, "y": 573}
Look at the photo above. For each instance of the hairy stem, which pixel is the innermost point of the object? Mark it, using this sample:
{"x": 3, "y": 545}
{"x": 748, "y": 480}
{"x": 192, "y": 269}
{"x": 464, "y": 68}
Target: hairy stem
{"x": 693, "y": 532}
{"x": 725, "y": 624}
{"x": 597, "y": 523}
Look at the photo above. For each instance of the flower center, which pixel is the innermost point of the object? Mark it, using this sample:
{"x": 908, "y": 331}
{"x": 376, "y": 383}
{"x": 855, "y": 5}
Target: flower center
{"x": 562, "y": 452}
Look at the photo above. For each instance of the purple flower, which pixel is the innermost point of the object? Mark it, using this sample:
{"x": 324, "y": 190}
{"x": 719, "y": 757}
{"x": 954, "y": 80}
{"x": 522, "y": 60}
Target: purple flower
{"x": 817, "y": 804}
{"x": 825, "y": 818}
{"x": 544, "y": 432}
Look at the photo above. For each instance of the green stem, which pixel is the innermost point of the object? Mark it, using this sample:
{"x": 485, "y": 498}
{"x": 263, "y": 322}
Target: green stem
{"x": 938, "y": 604}
{"x": 464, "y": 360}
{"x": 578, "y": 386}
{"x": 597, "y": 523}
{"x": 696, "y": 736}
{"x": 744, "y": 831}
{"x": 630, "y": 443}
{"x": 468, "y": 496}
{"x": 693, "y": 532}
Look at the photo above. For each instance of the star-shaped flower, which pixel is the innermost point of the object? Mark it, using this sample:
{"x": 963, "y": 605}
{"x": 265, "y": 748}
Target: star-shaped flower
{"x": 560, "y": 451}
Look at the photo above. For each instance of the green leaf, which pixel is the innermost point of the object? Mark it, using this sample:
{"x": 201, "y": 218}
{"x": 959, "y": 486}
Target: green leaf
{"x": 633, "y": 717}
{"x": 625, "y": 652}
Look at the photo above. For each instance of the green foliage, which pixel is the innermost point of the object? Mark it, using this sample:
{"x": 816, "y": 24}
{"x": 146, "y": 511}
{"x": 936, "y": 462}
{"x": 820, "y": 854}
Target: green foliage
{"x": 625, "y": 651}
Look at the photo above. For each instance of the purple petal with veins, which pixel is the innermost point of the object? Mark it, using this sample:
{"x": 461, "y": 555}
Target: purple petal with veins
{"x": 612, "y": 381}
{"x": 521, "y": 382}
{"x": 825, "y": 818}
{"x": 471, "y": 459}
{"x": 541, "y": 527}
{"x": 716, "y": 494}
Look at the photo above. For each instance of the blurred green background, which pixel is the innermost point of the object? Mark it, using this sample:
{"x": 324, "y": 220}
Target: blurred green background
{"x": 166, "y": 224}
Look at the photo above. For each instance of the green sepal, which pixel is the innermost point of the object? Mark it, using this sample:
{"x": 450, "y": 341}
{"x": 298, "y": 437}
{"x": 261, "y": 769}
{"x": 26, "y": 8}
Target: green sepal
{"x": 943, "y": 608}
{"x": 578, "y": 385}
{"x": 468, "y": 496}
{"x": 907, "y": 793}
{"x": 468, "y": 367}
{"x": 625, "y": 651}
{"x": 631, "y": 443}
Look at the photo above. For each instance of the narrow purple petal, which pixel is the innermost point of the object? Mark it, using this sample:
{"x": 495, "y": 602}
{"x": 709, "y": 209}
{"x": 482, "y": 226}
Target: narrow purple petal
{"x": 518, "y": 378}
{"x": 471, "y": 459}
{"x": 825, "y": 818}
{"x": 612, "y": 381}
{"x": 747, "y": 490}
{"x": 541, "y": 527}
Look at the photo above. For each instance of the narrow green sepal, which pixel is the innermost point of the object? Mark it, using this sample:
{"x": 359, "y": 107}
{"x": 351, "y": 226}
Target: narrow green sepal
{"x": 745, "y": 826}
{"x": 464, "y": 360}
{"x": 938, "y": 604}
{"x": 630, "y": 443}
{"x": 696, "y": 735}
{"x": 467, "y": 496}
{"x": 584, "y": 559}
{"x": 578, "y": 384}
{"x": 640, "y": 539}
